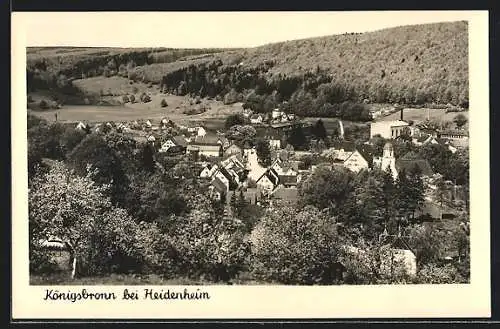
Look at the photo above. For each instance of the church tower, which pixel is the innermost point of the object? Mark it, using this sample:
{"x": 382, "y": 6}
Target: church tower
{"x": 388, "y": 161}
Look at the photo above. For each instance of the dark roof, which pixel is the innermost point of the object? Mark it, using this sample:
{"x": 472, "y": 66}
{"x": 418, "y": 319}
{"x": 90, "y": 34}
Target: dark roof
{"x": 219, "y": 185}
{"x": 422, "y": 138}
{"x": 347, "y": 146}
{"x": 206, "y": 140}
{"x": 367, "y": 152}
{"x": 454, "y": 132}
{"x": 272, "y": 175}
{"x": 411, "y": 164}
{"x": 179, "y": 140}
{"x": 226, "y": 173}
{"x": 288, "y": 179}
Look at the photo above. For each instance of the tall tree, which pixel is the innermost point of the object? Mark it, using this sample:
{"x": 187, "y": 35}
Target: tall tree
{"x": 297, "y": 138}
{"x": 319, "y": 130}
{"x": 326, "y": 188}
{"x": 263, "y": 150}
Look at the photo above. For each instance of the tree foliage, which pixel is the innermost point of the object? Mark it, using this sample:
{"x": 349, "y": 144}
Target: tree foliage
{"x": 295, "y": 247}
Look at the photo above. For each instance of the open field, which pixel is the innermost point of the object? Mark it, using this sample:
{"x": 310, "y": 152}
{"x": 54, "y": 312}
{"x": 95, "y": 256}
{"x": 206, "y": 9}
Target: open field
{"x": 418, "y": 115}
{"x": 216, "y": 111}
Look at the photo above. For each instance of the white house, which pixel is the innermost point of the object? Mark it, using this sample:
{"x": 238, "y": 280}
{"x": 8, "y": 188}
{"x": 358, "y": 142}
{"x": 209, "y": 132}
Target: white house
{"x": 256, "y": 118}
{"x": 356, "y": 162}
{"x": 268, "y": 181}
{"x": 276, "y": 114}
{"x": 209, "y": 171}
{"x": 81, "y": 126}
{"x": 275, "y": 144}
{"x": 148, "y": 124}
{"x": 388, "y": 129}
{"x": 173, "y": 141}
{"x": 283, "y": 169}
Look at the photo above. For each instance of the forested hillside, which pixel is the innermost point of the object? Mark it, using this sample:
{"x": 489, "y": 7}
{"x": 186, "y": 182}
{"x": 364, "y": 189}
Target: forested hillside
{"x": 334, "y": 76}
{"x": 413, "y": 65}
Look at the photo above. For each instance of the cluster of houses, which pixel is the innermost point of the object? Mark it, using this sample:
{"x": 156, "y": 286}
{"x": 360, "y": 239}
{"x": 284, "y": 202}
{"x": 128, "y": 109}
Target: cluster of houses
{"x": 276, "y": 116}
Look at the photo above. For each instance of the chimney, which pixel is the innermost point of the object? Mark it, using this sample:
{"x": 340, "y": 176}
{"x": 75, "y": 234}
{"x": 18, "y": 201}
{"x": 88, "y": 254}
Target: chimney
{"x": 401, "y": 115}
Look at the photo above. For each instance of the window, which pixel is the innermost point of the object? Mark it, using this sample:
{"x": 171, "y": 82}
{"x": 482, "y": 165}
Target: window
{"x": 392, "y": 133}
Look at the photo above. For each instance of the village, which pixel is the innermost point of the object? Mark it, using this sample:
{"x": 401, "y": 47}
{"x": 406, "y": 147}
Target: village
{"x": 232, "y": 166}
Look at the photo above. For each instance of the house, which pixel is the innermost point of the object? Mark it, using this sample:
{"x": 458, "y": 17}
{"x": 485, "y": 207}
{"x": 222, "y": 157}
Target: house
{"x": 223, "y": 141}
{"x": 388, "y": 129}
{"x": 173, "y": 141}
{"x": 430, "y": 139}
{"x": 219, "y": 188}
{"x": 458, "y": 138}
{"x": 453, "y": 134}
{"x": 356, "y": 162}
{"x": 256, "y": 119}
{"x": 282, "y": 168}
{"x": 151, "y": 139}
{"x": 397, "y": 258}
{"x": 229, "y": 176}
{"x": 276, "y": 114}
{"x": 268, "y": 181}
{"x": 412, "y": 161}
{"x": 232, "y": 150}
{"x": 81, "y": 126}
{"x": 208, "y": 171}
{"x": 234, "y": 162}
{"x": 349, "y": 156}
{"x": 148, "y": 124}
{"x": 275, "y": 144}
{"x": 204, "y": 145}
{"x": 198, "y": 131}
{"x": 288, "y": 180}
{"x": 247, "y": 113}
{"x": 58, "y": 251}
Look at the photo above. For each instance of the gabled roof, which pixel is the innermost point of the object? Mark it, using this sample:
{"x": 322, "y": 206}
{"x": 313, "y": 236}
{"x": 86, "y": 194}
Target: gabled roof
{"x": 288, "y": 179}
{"x": 206, "y": 140}
{"x": 219, "y": 185}
{"x": 271, "y": 175}
{"x": 367, "y": 152}
{"x": 179, "y": 140}
{"x": 226, "y": 173}
{"x": 411, "y": 161}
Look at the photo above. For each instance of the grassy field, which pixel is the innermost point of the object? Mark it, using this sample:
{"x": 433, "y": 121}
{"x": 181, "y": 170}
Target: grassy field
{"x": 418, "y": 115}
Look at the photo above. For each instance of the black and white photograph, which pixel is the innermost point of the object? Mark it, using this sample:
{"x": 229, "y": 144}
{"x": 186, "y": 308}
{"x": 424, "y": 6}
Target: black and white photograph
{"x": 338, "y": 157}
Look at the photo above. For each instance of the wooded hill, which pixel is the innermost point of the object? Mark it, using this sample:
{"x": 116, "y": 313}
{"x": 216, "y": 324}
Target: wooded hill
{"x": 329, "y": 76}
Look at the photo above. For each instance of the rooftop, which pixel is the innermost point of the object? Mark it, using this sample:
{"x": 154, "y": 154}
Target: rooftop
{"x": 393, "y": 123}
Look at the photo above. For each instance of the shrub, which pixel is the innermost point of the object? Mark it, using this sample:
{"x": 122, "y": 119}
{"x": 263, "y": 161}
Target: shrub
{"x": 164, "y": 103}
{"x": 145, "y": 98}
{"x": 44, "y": 105}
{"x": 132, "y": 99}
{"x": 125, "y": 99}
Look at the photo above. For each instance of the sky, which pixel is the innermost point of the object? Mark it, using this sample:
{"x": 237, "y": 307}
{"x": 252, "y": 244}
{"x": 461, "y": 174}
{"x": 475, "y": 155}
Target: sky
{"x": 208, "y": 29}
